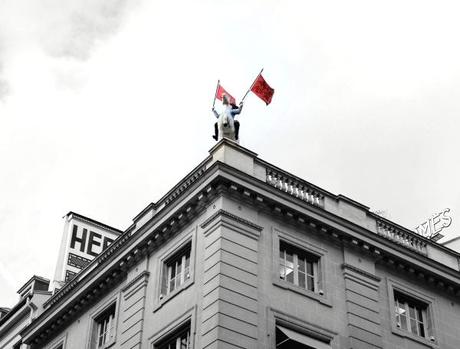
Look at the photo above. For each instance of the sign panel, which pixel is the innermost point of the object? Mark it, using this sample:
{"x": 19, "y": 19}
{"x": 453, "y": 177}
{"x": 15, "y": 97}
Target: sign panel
{"x": 432, "y": 227}
{"x": 83, "y": 239}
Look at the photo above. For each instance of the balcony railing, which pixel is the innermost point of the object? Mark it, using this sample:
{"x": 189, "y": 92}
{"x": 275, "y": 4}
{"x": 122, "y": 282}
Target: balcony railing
{"x": 407, "y": 239}
{"x": 295, "y": 187}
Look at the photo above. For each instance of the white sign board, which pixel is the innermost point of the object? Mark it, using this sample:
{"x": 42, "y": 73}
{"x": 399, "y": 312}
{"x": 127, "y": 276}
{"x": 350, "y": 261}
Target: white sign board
{"x": 83, "y": 239}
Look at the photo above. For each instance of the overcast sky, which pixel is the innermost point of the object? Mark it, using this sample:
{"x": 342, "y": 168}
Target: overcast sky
{"x": 106, "y": 104}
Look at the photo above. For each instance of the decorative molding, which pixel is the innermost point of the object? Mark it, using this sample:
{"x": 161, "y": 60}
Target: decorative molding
{"x": 232, "y": 216}
{"x": 141, "y": 279}
{"x": 346, "y": 267}
{"x": 300, "y": 325}
{"x": 185, "y": 183}
{"x": 226, "y": 218}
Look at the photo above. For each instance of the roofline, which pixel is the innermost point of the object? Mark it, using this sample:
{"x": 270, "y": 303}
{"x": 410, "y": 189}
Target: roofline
{"x": 36, "y": 277}
{"x": 14, "y": 310}
{"x": 131, "y": 245}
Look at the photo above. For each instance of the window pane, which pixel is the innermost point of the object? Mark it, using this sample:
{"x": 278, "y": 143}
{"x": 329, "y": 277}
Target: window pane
{"x": 290, "y": 275}
{"x": 289, "y": 258}
{"x": 412, "y": 312}
{"x": 310, "y": 268}
{"x": 164, "y": 280}
{"x": 178, "y": 268}
{"x": 301, "y": 265}
{"x": 282, "y": 271}
{"x": 403, "y": 322}
{"x": 413, "y": 326}
{"x": 311, "y": 283}
{"x": 421, "y": 329}
{"x": 302, "y": 280}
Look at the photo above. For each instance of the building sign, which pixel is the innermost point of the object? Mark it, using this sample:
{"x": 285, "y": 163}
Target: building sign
{"x": 432, "y": 227}
{"x": 83, "y": 239}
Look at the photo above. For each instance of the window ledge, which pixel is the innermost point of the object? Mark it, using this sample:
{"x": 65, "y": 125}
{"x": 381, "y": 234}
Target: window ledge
{"x": 315, "y": 296}
{"x": 171, "y": 295}
{"x": 408, "y": 335}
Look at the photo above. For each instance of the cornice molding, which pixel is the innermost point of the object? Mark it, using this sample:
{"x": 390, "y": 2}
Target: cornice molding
{"x": 232, "y": 221}
{"x": 348, "y": 267}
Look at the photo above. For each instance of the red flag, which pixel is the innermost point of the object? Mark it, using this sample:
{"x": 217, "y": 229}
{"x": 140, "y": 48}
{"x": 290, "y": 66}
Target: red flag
{"x": 262, "y": 90}
{"x": 221, "y": 91}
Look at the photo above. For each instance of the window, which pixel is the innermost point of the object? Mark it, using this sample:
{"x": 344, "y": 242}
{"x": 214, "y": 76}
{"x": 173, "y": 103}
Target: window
{"x": 176, "y": 271}
{"x": 299, "y": 267}
{"x": 289, "y": 339}
{"x": 178, "y": 340}
{"x": 103, "y": 333}
{"x": 412, "y": 315}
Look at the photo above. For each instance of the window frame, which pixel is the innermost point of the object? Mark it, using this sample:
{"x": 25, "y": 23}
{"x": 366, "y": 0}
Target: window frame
{"x": 309, "y": 259}
{"x": 93, "y": 336}
{"x": 174, "y": 270}
{"x": 415, "y": 296}
{"x": 170, "y": 253}
{"x": 176, "y": 335}
{"x": 318, "y": 253}
{"x": 176, "y": 326}
{"x": 279, "y": 318}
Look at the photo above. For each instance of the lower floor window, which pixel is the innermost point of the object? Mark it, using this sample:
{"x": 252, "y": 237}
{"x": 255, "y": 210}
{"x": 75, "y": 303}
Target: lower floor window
{"x": 178, "y": 340}
{"x": 290, "y": 339}
{"x": 412, "y": 315}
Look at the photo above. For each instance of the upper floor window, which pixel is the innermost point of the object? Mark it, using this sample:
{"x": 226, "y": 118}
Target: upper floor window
{"x": 104, "y": 328}
{"x": 180, "y": 339}
{"x": 176, "y": 270}
{"x": 299, "y": 267}
{"x": 412, "y": 315}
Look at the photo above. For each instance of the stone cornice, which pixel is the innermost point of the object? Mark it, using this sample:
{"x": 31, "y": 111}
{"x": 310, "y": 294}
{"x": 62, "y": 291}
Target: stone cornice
{"x": 364, "y": 273}
{"x": 236, "y": 218}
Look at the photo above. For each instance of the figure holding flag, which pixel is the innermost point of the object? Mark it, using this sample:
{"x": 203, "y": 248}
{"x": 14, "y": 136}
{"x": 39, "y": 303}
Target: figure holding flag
{"x": 227, "y": 124}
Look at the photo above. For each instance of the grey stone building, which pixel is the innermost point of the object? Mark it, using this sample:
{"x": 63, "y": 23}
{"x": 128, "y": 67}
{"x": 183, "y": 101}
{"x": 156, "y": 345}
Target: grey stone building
{"x": 241, "y": 254}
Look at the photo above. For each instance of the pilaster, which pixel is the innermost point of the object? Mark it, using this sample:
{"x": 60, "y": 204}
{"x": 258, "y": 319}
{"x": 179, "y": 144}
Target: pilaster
{"x": 230, "y": 299}
{"x": 132, "y": 311}
{"x": 362, "y": 301}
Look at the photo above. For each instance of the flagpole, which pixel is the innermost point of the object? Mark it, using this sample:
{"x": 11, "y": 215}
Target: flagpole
{"x": 252, "y": 85}
{"x": 215, "y": 95}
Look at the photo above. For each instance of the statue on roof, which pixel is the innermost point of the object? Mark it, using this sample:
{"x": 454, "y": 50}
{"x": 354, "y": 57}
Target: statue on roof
{"x": 227, "y": 126}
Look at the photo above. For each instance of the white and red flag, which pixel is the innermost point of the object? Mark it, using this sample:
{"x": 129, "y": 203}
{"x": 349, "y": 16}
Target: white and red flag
{"x": 220, "y": 91}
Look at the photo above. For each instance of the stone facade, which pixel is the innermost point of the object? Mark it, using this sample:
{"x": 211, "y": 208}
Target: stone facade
{"x": 241, "y": 254}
